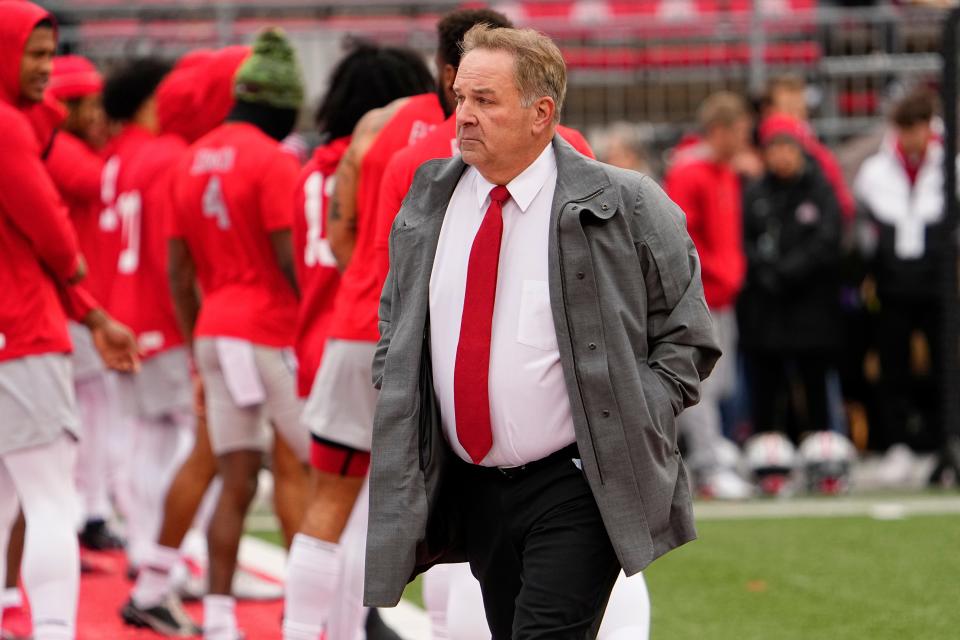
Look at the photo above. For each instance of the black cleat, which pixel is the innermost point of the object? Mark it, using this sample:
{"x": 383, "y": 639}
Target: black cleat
{"x": 377, "y": 629}
{"x": 96, "y": 536}
{"x": 168, "y": 619}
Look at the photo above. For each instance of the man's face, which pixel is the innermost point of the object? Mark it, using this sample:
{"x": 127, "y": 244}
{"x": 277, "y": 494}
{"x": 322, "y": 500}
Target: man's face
{"x": 493, "y": 127}
{"x": 37, "y": 63}
{"x": 784, "y": 158}
{"x": 914, "y": 140}
{"x": 790, "y": 101}
{"x": 87, "y": 120}
{"x": 728, "y": 140}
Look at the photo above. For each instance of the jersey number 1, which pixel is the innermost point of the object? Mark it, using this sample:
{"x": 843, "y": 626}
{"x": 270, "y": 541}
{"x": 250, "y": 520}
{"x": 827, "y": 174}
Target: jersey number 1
{"x": 317, "y": 251}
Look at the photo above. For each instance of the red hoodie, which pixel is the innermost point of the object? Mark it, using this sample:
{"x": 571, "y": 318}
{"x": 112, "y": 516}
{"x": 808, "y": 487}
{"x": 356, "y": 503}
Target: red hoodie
{"x": 38, "y": 247}
{"x": 708, "y": 192}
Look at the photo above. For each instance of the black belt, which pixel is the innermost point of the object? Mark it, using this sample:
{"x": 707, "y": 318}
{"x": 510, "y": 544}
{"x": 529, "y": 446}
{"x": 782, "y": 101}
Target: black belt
{"x": 570, "y": 452}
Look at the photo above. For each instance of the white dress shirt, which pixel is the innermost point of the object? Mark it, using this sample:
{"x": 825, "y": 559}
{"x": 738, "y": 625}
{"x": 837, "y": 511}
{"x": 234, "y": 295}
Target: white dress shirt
{"x": 529, "y": 407}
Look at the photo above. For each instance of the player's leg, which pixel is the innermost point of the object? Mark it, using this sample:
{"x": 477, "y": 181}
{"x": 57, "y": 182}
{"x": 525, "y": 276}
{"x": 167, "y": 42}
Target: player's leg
{"x": 465, "y": 614}
{"x": 436, "y": 596}
{"x": 93, "y": 466}
{"x": 339, "y": 413}
{"x": 10, "y": 521}
{"x": 238, "y": 440}
{"x": 348, "y": 613}
{"x": 43, "y": 478}
{"x": 291, "y": 488}
{"x": 153, "y": 601}
{"x": 627, "y": 616}
{"x": 239, "y": 470}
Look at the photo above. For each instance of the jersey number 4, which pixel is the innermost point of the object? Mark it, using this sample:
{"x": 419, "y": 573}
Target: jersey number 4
{"x": 317, "y": 252}
{"x": 213, "y": 204}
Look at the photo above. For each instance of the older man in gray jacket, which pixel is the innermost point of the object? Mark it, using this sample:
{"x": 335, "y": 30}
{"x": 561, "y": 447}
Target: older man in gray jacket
{"x": 542, "y": 326}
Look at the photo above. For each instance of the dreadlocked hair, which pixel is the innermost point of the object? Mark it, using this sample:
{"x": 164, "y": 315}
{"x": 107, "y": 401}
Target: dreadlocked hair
{"x": 369, "y": 77}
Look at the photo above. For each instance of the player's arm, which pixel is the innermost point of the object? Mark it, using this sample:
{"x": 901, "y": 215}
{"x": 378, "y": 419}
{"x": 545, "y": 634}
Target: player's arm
{"x": 182, "y": 274}
{"x": 282, "y": 242}
{"x": 31, "y": 201}
{"x": 342, "y": 215}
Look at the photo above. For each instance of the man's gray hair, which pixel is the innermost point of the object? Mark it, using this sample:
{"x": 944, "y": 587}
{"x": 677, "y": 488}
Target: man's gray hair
{"x": 538, "y": 65}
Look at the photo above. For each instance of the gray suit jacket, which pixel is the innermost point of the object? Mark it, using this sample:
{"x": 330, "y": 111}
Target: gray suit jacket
{"x": 635, "y": 341}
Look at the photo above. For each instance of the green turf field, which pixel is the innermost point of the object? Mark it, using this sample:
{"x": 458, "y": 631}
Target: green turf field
{"x": 833, "y": 578}
{"x": 829, "y": 578}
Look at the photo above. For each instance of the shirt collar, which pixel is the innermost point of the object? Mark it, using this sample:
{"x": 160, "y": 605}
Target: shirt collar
{"x": 525, "y": 187}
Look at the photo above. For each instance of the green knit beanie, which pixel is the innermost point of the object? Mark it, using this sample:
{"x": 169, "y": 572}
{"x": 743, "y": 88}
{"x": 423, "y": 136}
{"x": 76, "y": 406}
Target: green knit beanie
{"x": 271, "y": 75}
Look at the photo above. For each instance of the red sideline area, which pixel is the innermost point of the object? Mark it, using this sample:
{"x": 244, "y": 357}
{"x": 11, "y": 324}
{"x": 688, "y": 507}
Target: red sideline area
{"x": 104, "y": 590}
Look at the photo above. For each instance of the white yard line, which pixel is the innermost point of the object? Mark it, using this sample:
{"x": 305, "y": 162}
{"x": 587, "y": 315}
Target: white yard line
{"x": 881, "y": 507}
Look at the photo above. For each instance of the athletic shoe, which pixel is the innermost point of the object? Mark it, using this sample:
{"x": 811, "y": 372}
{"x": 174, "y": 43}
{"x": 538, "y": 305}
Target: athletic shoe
{"x": 16, "y": 624}
{"x": 726, "y": 485}
{"x": 377, "y": 629}
{"x": 96, "y": 536}
{"x": 249, "y": 586}
{"x": 168, "y": 619}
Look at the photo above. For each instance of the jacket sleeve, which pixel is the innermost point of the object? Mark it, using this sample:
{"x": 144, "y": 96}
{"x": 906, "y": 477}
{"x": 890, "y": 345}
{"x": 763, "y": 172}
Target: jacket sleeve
{"x": 821, "y": 249}
{"x": 30, "y": 200}
{"x": 682, "y": 345}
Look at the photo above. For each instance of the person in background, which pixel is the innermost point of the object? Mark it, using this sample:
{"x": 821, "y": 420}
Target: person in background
{"x": 40, "y": 271}
{"x": 75, "y": 163}
{"x": 368, "y": 77}
{"x": 703, "y": 183}
{"x": 232, "y": 200}
{"x": 624, "y": 145}
{"x": 789, "y": 309}
{"x": 900, "y": 189}
{"x": 787, "y": 95}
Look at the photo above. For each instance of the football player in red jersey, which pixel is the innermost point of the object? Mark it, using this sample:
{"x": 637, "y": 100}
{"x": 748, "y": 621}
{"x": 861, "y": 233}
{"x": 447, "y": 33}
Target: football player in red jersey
{"x": 75, "y": 163}
{"x": 231, "y": 232}
{"x": 157, "y": 403}
{"x": 40, "y": 264}
{"x": 369, "y": 77}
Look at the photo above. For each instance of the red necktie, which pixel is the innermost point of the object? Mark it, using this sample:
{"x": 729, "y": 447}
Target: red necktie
{"x": 471, "y": 374}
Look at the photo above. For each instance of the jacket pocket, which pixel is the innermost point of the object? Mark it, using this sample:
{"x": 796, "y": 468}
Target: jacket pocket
{"x": 535, "y": 325}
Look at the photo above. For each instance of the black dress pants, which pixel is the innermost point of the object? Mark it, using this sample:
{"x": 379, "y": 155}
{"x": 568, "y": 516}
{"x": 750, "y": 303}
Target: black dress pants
{"x": 536, "y": 543}
{"x": 788, "y": 392}
{"x": 909, "y": 404}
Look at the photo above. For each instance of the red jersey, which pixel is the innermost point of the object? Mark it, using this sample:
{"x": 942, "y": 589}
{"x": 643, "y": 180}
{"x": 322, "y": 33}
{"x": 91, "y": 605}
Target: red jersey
{"x": 358, "y": 301}
{"x": 398, "y": 176}
{"x": 234, "y": 187}
{"x": 140, "y": 294}
{"x": 76, "y": 170}
{"x": 317, "y": 271}
{"x": 709, "y": 194}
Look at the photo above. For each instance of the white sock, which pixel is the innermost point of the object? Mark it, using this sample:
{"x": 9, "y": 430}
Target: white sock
{"x": 436, "y": 594}
{"x": 219, "y": 618}
{"x": 313, "y": 571}
{"x": 153, "y": 583}
{"x": 11, "y": 598}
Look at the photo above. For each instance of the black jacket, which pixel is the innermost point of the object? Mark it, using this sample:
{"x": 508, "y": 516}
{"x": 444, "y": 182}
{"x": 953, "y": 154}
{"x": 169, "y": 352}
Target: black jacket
{"x": 792, "y": 238}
